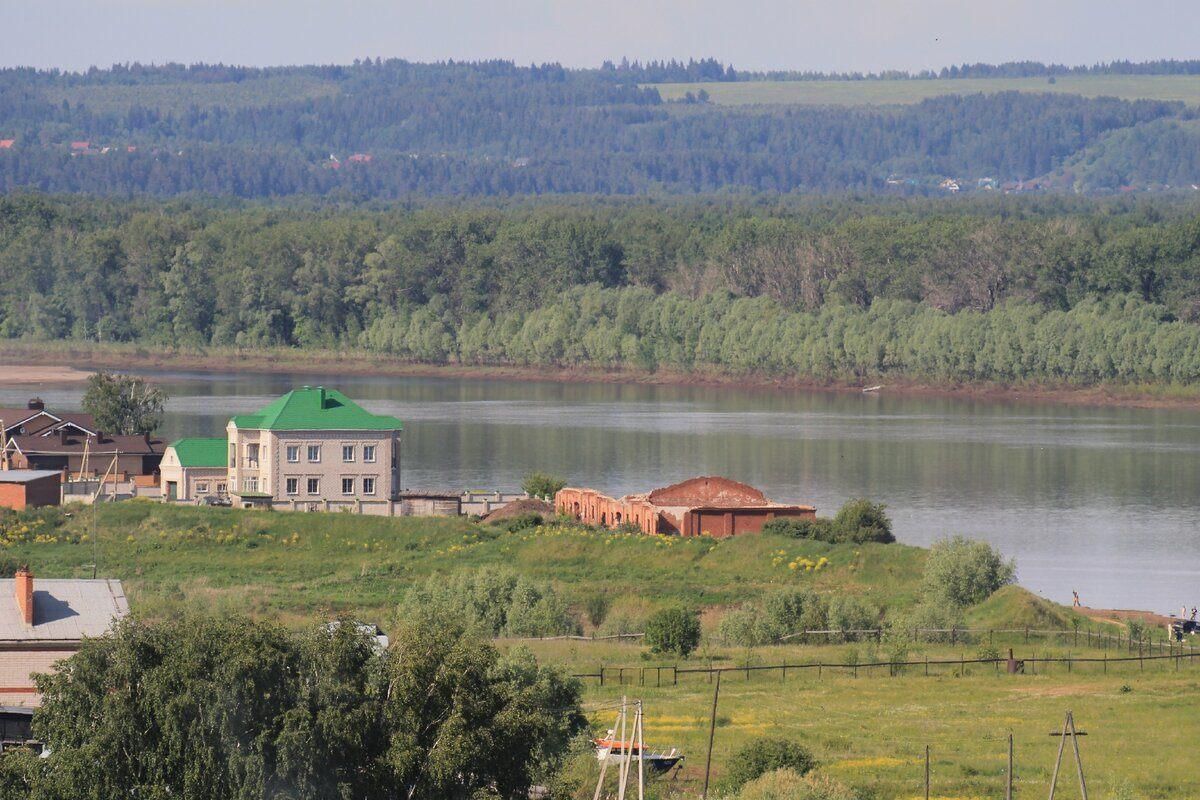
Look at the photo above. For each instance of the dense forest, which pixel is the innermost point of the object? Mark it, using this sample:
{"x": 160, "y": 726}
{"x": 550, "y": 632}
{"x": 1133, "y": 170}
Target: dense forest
{"x": 1051, "y": 289}
{"x": 394, "y": 130}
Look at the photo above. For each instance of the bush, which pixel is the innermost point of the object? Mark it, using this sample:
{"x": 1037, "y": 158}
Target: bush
{"x": 926, "y": 617}
{"x": 495, "y": 600}
{"x": 963, "y": 572}
{"x": 787, "y": 784}
{"x": 860, "y": 520}
{"x": 818, "y": 529}
{"x": 596, "y": 608}
{"x": 848, "y": 614}
{"x": 539, "y": 484}
{"x": 760, "y": 756}
{"x": 673, "y": 630}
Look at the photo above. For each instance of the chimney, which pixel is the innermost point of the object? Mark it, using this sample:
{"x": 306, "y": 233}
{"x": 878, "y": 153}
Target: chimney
{"x": 23, "y": 586}
{"x": 36, "y": 404}
{"x": 321, "y": 391}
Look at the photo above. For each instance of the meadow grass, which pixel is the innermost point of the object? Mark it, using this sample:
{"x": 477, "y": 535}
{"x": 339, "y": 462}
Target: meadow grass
{"x": 869, "y": 730}
{"x": 1185, "y": 88}
{"x": 304, "y": 567}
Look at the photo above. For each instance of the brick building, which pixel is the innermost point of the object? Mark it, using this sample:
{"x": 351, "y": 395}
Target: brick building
{"x": 704, "y": 506}
{"x": 43, "y": 624}
{"x": 30, "y": 488}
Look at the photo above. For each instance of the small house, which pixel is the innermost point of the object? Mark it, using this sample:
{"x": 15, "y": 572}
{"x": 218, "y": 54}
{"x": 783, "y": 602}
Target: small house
{"x": 193, "y": 469}
{"x": 30, "y": 488}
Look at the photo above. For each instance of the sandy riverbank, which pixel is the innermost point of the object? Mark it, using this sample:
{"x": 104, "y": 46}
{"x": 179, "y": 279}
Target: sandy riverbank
{"x": 33, "y": 374}
{"x": 71, "y": 361}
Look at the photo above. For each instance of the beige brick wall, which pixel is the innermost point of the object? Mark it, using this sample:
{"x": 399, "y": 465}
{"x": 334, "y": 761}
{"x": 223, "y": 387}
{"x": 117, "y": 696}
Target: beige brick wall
{"x": 16, "y": 673}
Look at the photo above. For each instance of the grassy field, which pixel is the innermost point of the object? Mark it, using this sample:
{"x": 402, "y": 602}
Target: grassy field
{"x": 303, "y": 567}
{"x": 180, "y": 96}
{"x": 871, "y": 731}
{"x": 877, "y": 92}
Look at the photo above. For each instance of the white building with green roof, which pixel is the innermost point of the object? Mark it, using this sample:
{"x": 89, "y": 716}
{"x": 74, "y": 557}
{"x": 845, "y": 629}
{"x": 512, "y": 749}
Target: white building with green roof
{"x": 193, "y": 469}
{"x": 315, "y": 449}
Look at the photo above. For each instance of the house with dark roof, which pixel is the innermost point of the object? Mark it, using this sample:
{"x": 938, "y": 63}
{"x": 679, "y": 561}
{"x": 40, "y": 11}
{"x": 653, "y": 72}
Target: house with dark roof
{"x": 193, "y": 470}
{"x": 315, "y": 449}
{"x": 87, "y": 455}
{"x": 44, "y": 622}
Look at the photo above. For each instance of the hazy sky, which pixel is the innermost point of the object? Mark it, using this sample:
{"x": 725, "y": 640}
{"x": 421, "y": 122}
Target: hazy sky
{"x": 758, "y": 34}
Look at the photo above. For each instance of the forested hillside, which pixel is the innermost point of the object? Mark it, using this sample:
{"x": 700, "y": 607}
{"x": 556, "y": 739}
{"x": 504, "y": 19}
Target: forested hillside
{"x": 1002, "y": 289}
{"x": 395, "y": 129}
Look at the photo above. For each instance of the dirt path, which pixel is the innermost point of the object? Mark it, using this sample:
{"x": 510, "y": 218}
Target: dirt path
{"x": 1123, "y": 615}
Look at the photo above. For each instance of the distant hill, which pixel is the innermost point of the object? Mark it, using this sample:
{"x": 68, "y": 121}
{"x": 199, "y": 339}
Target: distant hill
{"x": 394, "y": 129}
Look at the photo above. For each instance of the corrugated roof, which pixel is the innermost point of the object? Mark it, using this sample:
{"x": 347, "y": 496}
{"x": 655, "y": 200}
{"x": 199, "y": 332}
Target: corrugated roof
{"x": 315, "y": 408}
{"x": 200, "y": 452}
{"x": 64, "y": 609}
{"x": 26, "y": 475}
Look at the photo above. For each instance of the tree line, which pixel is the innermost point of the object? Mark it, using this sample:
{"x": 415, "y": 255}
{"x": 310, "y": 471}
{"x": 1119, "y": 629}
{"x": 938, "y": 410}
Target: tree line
{"x": 495, "y": 129}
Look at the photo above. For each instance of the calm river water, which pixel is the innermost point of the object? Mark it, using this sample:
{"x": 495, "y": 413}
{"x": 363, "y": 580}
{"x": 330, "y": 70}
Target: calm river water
{"x": 1105, "y": 501}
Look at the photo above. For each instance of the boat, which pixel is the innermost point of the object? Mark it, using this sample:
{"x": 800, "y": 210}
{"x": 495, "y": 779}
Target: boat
{"x": 610, "y": 748}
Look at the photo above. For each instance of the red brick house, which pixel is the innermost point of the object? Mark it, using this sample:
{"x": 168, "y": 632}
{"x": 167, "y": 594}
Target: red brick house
{"x": 704, "y": 506}
{"x": 30, "y": 488}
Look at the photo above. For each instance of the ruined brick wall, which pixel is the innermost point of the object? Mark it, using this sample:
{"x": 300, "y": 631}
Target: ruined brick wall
{"x": 708, "y": 491}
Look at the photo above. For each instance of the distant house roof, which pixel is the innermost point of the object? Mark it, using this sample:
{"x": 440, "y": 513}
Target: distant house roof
{"x": 315, "y": 408}
{"x": 198, "y": 452}
{"x": 64, "y": 610}
{"x": 6, "y": 144}
{"x": 27, "y": 475}
{"x": 80, "y": 145}
{"x": 65, "y": 442}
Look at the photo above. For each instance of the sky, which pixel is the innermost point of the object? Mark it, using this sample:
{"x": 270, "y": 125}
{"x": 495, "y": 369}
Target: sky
{"x": 825, "y": 35}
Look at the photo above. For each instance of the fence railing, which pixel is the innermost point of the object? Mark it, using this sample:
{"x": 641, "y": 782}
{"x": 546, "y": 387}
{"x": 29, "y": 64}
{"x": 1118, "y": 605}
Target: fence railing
{"x": 654, "y": 675}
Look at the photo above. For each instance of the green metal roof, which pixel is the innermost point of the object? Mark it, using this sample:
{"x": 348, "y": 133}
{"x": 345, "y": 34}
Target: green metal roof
{"x": 315, "y": 409}
{"x": 200, "y": 452}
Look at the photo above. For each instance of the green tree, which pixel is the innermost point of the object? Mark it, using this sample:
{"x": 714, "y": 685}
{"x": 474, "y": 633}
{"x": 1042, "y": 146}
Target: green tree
{"x": 860, "y": 520}
{"x": 964, "y": 572}
{"x": 124, "y": 404}
{"x": 540, "y": 484}
{"x": 766, "y": 754}
{"x": 673, "y": 630}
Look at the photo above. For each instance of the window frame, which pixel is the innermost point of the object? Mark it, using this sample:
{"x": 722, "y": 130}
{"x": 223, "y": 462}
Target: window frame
{"x": 352, "y": 450}
{"x": 308, "y": 484}
{"x": 369, "y": 450}
{"x": 289, "y": 451}
{"x": 309, "y": 451}
{"x": 291, "y": 486}
{"x": 368, "y": 481}
{"x": 350, "y": 480}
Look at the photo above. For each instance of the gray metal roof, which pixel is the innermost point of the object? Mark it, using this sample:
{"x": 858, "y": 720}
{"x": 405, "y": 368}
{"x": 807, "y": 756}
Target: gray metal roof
{"x": 64, "y": 609}
{"x": 25, "y": 475}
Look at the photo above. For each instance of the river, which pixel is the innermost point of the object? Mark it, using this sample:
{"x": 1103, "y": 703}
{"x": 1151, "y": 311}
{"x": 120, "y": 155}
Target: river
{"x": 1101, "y": 500}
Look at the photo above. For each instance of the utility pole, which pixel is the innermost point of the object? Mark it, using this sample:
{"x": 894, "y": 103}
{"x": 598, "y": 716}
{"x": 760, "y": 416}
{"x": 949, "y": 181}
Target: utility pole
{"x": 1068, "y": 730}
{"x": 712, "y": 730}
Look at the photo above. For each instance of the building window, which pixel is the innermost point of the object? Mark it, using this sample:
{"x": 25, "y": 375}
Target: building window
{"x": 314, "y": 485}
{"x": 220, "y": 488}
{"x": 250, "y": 485}
{"x": 368, "y": 486}
{"x": 201, "y": 488}
{"x": 348, "y": 453}
{"x": 314, "y": 453}
{"x": 293, "y": 453}
{"x": 347, "y": 485}
{"x": 369, "y": 453}
{"x": 232, "y": 455}
{"x": 252, "y": 455}
{"x": 292, "y": 485}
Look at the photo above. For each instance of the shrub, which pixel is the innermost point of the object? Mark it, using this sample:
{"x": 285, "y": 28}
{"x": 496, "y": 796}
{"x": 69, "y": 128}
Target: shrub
{"x": 848, "y": 614}
{"x": 627, "y": 615}
{"x": 964, "y": 572}
{"x": 818, "y": 529}
{"x": 495, "y": 600}
{"x": 788, "y": 784}
{"x": 519, "y": 523}
{"x": 924, "y": 623}
{"x": 673, "y": 630}
{"x": 539, "y": 484}
{"x": 860, "y": 520}
{"x": 596, "y": 608}
{"x": 760, "y": 756}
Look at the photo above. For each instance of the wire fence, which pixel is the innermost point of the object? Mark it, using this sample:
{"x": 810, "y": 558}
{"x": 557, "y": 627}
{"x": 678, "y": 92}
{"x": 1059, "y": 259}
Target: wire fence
{"x": 1125, "y": 651}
